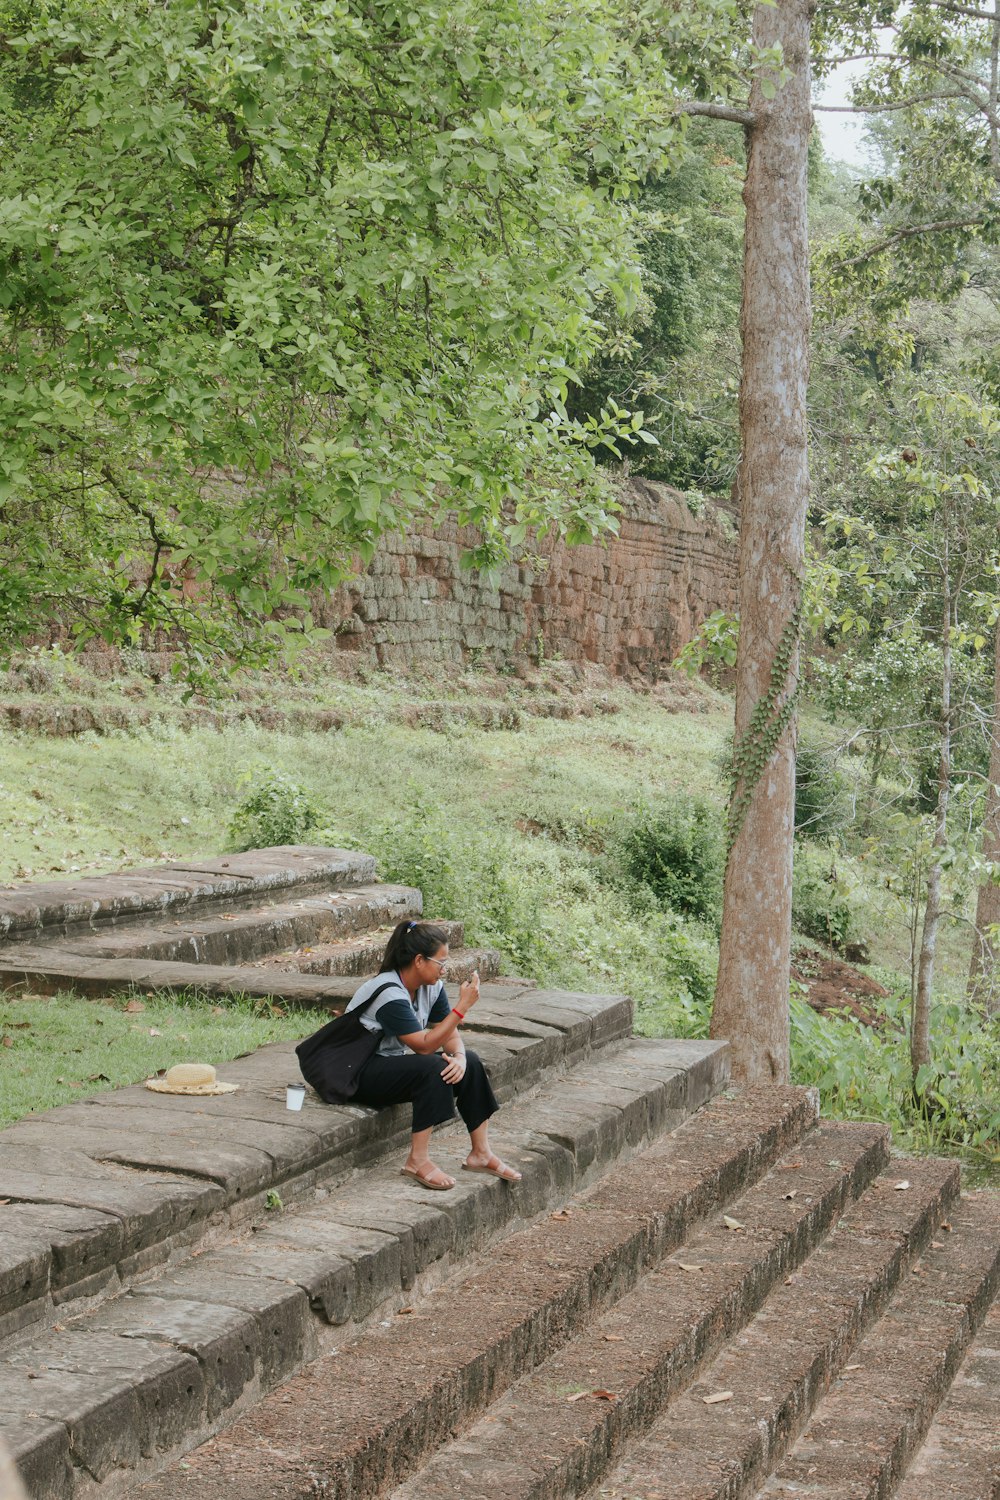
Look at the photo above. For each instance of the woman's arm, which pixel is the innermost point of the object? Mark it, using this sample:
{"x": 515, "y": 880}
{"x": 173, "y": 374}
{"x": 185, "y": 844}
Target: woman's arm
{"x": 444, "y": 1034}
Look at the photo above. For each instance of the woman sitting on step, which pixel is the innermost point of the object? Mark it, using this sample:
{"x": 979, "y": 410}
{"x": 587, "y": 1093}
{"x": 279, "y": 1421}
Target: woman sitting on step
{"x": 422, "y": 1057}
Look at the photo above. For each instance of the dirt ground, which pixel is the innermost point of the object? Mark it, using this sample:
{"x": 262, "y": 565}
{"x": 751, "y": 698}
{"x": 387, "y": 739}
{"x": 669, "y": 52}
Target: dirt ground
{"x": 833, "y": 984}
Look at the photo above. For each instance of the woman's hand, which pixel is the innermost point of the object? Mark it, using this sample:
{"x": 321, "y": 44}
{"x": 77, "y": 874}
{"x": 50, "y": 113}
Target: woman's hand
{"x": 469, "y": 993}
{"x": 454, "y": 1067}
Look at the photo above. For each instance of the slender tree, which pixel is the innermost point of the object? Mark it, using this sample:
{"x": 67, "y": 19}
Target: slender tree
{"x": 751, "y": 1000}
{"x": 983, "y": 977}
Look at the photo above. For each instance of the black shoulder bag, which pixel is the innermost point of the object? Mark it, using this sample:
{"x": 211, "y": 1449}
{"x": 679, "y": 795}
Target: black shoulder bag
{"x": 332, "y": 1058}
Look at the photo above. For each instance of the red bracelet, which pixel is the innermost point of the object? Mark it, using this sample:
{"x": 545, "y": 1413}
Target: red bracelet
{"x": 459, "y": 1013}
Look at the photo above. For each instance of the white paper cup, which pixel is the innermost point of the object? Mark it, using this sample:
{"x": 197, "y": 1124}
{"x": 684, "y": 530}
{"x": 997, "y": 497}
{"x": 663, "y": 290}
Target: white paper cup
{"x": 295, "y": 1094}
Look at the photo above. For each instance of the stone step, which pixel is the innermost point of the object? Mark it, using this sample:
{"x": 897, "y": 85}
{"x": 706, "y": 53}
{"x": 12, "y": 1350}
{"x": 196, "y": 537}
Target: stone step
{"x": 52, "y": 971}
{"x": 99, "y": 1396}
{"x": 804, "y": 1335}
{"x": 526, "y": 1328}
{"x": 357, "y": 955}
{"x": 960, "y": 1457}
{"x": 53, "y": 909}
{"x": 871, "y": 1423}
{"x": 107, "y": 1189}
{"x": 245, "y": 934}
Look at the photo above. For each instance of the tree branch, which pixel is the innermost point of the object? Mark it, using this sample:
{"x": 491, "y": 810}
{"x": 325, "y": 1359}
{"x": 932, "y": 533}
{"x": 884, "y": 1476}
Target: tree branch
{"x": 889, "y": 243}
{"x": 961, "y": 10}
{"x": 743, "y": 117}
{"x": 871, "y": 109}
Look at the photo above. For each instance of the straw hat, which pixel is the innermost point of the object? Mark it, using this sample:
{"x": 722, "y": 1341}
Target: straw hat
{"x": 190, "y": 1078}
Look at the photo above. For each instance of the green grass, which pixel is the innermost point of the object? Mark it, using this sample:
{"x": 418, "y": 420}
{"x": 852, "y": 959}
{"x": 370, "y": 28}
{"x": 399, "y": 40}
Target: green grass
{"x": 72, "y": 805}
{"x": 63, "y": 1048}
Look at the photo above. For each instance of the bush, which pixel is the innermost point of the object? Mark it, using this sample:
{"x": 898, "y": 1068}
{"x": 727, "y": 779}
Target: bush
{"x": 865, "y": 1073}
{"x": 677, "y": 851}
{"x": 274, "y": 811}
{"x": 473, "y": 878}
{"x": 821, "y": 905}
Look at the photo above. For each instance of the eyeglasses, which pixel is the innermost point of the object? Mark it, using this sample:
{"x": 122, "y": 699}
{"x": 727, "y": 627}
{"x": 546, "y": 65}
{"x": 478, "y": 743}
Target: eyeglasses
{"x": 442, "y": 963}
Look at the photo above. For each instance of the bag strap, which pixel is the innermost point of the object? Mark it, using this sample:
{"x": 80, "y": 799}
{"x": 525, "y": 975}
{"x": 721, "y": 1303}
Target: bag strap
{"x": 389, "y": 984}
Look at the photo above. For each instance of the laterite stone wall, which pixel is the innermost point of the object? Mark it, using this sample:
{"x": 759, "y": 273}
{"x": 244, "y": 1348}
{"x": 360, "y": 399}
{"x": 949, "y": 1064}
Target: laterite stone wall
{"x": 628, "y": 606}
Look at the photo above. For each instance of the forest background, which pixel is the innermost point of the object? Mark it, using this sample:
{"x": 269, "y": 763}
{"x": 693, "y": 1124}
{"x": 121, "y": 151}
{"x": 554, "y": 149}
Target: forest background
{"x": 277, "y": 278}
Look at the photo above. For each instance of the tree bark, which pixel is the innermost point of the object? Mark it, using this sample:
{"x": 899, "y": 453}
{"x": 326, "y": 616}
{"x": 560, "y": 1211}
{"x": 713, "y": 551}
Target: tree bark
{"x": 984, "y": 981}
{"x": 920, "y": 1029}
{"x": 751, "y": 998}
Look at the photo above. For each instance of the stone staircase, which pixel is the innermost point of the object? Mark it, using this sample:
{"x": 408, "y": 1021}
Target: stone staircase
{"x": 694, "y": 1292}
{"x": 284, "y": 924}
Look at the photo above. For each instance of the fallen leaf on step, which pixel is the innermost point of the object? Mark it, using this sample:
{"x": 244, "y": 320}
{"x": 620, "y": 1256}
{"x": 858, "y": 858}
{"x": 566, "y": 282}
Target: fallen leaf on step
{"x": 901, "y": 1187}
{"x": 719, "y": 1396}
{"x": 605, "y": 1395}
{"x": 732, "y": 1223}
{"x": 685, "y": 1266}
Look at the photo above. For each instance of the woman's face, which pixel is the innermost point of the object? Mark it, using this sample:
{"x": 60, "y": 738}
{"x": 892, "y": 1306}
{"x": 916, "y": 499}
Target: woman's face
{"x": 432, "y": 969}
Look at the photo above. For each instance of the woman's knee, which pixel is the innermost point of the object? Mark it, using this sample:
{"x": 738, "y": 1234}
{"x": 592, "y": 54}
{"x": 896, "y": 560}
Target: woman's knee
{"x": 473, "y": 1063}
{"x": 428, "y": 1073}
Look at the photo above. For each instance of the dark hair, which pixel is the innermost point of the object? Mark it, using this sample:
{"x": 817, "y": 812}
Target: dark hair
{"x": 411, "y": 939}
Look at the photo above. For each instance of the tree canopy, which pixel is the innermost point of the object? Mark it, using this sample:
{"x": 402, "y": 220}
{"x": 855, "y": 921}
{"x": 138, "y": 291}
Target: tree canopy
{"x": 276, "y": 277}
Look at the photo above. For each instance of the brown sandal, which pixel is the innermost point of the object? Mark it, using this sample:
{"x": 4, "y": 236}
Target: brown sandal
{"x": 424, "y": 1180}
{"x": 495, "y": 1168}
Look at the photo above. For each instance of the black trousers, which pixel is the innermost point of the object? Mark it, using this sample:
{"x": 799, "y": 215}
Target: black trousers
{"x": 391, "y": 1080}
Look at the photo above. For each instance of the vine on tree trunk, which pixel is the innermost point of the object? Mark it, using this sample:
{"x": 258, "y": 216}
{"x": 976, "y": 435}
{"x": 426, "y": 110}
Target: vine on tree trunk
{"x": 768, "y": 722}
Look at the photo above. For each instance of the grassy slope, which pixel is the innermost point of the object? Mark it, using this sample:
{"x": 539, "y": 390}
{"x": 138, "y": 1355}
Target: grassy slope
{"x": 503, "y": 828}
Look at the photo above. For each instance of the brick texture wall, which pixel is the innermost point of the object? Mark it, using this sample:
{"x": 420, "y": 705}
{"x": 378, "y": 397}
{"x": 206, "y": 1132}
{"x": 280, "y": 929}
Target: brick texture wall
{"x": 628, "y": 606}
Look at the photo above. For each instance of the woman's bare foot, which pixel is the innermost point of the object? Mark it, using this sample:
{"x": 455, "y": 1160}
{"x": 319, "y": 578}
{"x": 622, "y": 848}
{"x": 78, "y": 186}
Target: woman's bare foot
{"x": 488, "y": 1161}
{"x": 428, "y": 1175}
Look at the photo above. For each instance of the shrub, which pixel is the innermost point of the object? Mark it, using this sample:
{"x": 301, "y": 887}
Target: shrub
{"x": 474, "y": 878}
{"x": 864, "y": 1073}
{"x": 677, "y": 851}
{"x": 274, "y": 811}
{"x": 422, "y": 851}
{"x": 821, "y": 905}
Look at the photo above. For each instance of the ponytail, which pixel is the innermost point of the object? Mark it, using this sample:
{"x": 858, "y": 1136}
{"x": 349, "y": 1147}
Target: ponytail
{"x": 412, "y": 940}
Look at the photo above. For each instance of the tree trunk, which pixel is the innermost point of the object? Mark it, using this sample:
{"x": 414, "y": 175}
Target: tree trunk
{"x": 920, "y": 1029}
{"x": 984, "y": 982}
{"x": 751, "y": 998}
